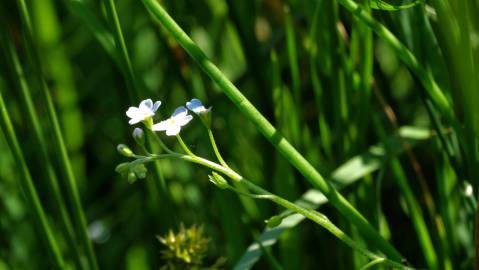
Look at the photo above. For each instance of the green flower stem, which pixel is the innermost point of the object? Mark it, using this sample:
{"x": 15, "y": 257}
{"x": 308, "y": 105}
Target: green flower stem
{"x": 184, "y": 146}
{"x": 261, "y": 193}
{"x": 321, "y": 220}
{"x": 270, "y": 132}
{"x": 433, "y": 90}
{"x": 70, "y": 181}
{"x": 28, "y": 187}
{"x": 215, "y": 149}
{"x": 40, "y": 141}
{"x": 160, "y": 141}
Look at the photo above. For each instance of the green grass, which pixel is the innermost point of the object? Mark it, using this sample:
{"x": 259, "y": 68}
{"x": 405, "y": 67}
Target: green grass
{"x": 365, "y": 109}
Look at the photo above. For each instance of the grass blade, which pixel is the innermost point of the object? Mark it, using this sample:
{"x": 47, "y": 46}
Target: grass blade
{"x": 433, "y": 90}
{"x": 28, "y": 187}
{"x": 61, "y": 151}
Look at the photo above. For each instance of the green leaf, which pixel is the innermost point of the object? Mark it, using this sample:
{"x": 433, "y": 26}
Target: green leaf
{"x": 383, "y": 5}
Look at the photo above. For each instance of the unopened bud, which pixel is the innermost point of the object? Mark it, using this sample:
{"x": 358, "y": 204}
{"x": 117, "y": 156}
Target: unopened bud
{"x": 139, "y": 136}
{"x": 124, "y": 150}
{"x": 131, "y": 177}
{"x": 122, "y": 167}
{"x": 218, "y": 180}
{"x": 274, "y": 221}
{"x": 140, "y": 171}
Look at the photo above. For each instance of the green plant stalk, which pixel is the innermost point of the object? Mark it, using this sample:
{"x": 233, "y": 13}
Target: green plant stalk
{"x": 28, "y": 187}
{"x": 184, "y": 146}
{"x": 215, "y": 149}
{"x": 344, "y": 175}
{"x": 267, "y": 129}
{"x": 160, "y": 141}
{"x": 40, "y": 141}
{"x": 433, "y": 90}
{"x": 70, "y": 183}
{"x": 261, "y": 193}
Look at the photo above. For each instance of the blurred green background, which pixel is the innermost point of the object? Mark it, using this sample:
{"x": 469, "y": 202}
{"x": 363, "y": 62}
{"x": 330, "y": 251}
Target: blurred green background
{"x": 330, "y": 86}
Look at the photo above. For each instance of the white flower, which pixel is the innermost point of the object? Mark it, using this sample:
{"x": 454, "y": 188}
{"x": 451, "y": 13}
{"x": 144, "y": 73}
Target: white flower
{"x": 196, "y": 106}
{"x": 173, "y": 125}
{"x": 146, "y": 110}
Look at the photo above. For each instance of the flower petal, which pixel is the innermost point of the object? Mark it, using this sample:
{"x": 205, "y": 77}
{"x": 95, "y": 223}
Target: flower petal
{"x": 156, "y": 105}
{"x": 163, "y": 125}
{"x": 195, "y": 106}
{"x": 146, "y": 104}
{"x": 132, "y": 112}
{"x": 179, "y": 112}
{"x": 135, "y": 120}
{"x": 173, "y": 130}
{"x": 183, "y": 120}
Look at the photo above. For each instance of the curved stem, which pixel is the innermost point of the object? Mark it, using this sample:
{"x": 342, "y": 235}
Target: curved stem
{"x": 160, "y": 142}
{"x": 215, "y": 149}
{"x": 313, "y": 215}
{"x": 184, "y": 146}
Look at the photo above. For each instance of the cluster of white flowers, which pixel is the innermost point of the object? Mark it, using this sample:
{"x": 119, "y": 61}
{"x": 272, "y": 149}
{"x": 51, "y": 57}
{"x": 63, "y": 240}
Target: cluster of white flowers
{"x": 172, "y": 126}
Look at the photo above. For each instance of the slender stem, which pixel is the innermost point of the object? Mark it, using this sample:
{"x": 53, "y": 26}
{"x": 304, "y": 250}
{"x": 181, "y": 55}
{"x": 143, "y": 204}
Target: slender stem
{"x": 160, "y": 142}
{"x": 184, "y": 146}
{"x": 270, "y": 132}
{"x": 215, "y": 149}
{"x": 261, "y": 193}
{"x": 70, "y": 183}
{"x": 28, "y": 187}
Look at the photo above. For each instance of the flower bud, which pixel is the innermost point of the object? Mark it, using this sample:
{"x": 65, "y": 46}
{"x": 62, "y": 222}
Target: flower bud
{"x": 274, "y": 221}
{"x": 139, "y": 136}
{"x": 218, "y": 180}
{"x": 122, "y": 167}
{"x": 131, "y": 177}
{"x": 124, "y": 150}
{"x": 199, "y": 109}
{"x": 140, "y": 171}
